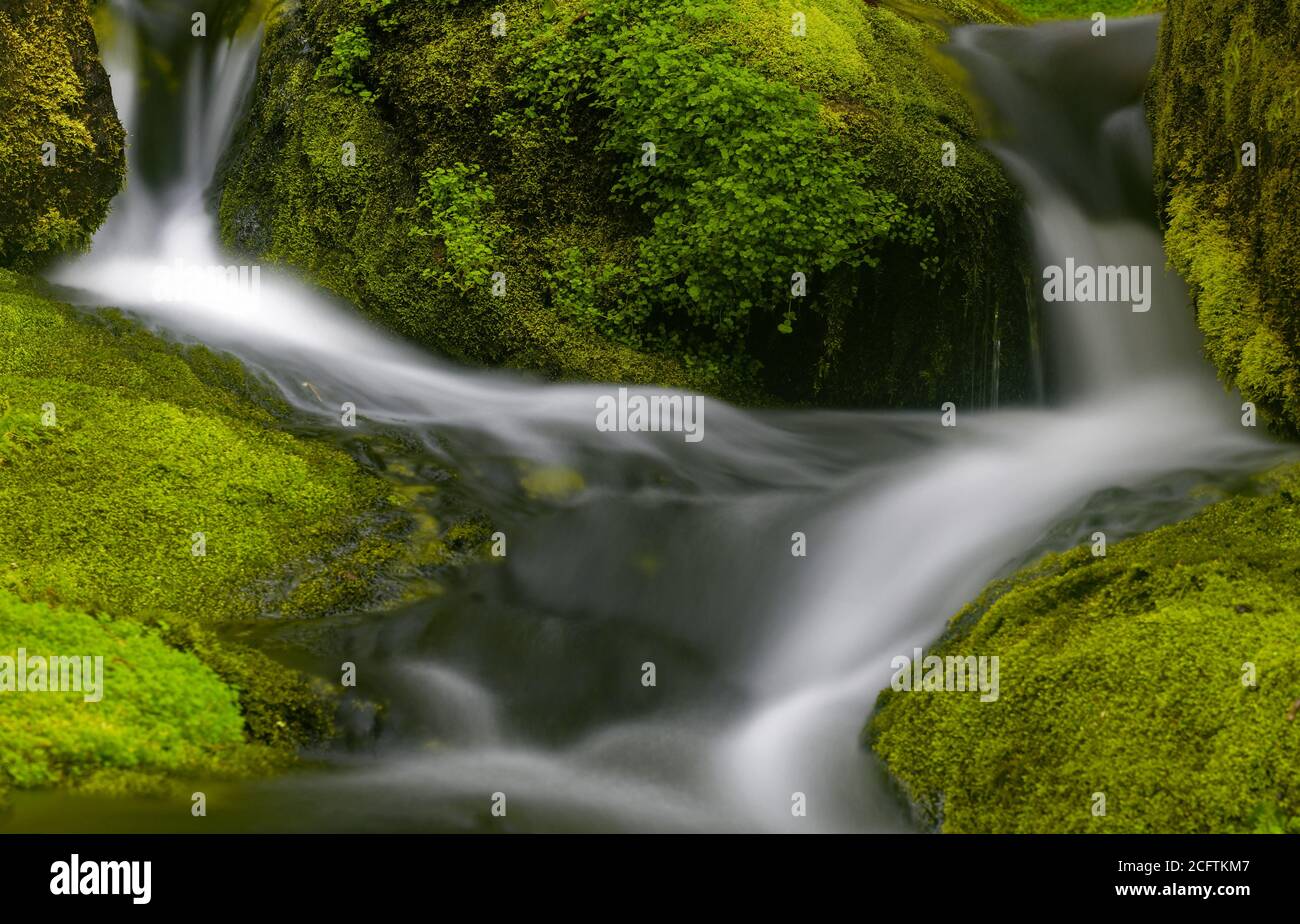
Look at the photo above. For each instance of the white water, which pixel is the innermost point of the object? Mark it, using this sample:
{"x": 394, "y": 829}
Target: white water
{"x": 768, "y": 665}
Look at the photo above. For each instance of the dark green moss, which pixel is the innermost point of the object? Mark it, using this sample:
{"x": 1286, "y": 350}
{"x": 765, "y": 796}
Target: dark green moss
{"x": 911, "y": 323}
{"x": 1225, "y": 77}
{"x": 1122, "y": 675}
{"x": 53, "y": 91}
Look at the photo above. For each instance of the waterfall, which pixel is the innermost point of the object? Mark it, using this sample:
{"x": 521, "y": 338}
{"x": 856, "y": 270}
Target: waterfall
{"x": 526, "y": 677}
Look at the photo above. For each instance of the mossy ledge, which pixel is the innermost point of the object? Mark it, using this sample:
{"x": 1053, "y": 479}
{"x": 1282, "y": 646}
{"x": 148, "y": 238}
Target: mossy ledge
{"x": 1085, "y": 9}
{"x": 1227, "y": 76}
{"x": 62, "y": 149}
{"x": 1124, "y": 675}
{"x": 522, "y": 154}
{"x": 116, "y": 448}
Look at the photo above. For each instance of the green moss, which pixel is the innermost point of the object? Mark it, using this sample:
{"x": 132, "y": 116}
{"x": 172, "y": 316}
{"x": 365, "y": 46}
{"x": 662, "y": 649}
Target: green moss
{"x": 1226, "y": 76}
{"x": 612, "y": 280}
{"x": 161, "y": 712}
{"x": 1083, "y": 9}
{"x": 553, "y": 482}
{"x": 116, "y": 448}
{"x": 141, "y": 458}
{"x": 53, "y": 91}
{"x": 1122, "y": 675}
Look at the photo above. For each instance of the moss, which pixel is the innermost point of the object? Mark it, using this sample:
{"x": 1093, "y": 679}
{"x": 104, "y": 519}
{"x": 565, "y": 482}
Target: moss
{"x": 899, "y": 334}
{"x": 53, "y": 91}
{"x": 577, "y": 302}
{"x": 116, "y": 448}
{"x": 553, "y": 482}
{"x": 161, "y": 713}
{"x": 1083, "y": 9}
{"x": 1122, "y": 675}
{"x": 1226, "y": 75}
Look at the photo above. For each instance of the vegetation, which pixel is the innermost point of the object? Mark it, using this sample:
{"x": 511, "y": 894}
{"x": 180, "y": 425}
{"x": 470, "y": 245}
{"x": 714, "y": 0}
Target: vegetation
{"x": 61, "y": 145}
{"x": 115, "y": 449}
{"x": 163, "y": 712}
{"x": 632, "y": 191}
{"x": 1226, "y": 77}
{"x": 1123, "y": 675}
{"x": 774, "y": 154}
{"x": 1083, "y": 9}
{"x": 452, "y": 209}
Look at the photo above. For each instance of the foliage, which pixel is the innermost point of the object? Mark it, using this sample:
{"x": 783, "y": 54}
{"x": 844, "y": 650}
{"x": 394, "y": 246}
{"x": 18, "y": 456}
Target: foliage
{"x": 776, "y": 154}
{"x": 740, "y": 198}
{"x": 1267, "y": 818}
{"x": 586, "y": 290}
{"x": 1083, "y": 9}
{"x": 348, "y": 50}
{"x": 453, "y": 208}
{"x": 350, "y": 47}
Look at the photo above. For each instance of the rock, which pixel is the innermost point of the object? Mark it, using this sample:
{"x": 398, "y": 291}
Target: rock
{"x": 62, "y": 156}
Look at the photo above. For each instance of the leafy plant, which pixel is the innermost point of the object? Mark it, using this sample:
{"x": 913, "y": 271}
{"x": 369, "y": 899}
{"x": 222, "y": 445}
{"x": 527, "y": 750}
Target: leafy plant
{"x": 736, "y": 174}
{"x": 453, "y": 208}
{"x": 351, "y": 47}
{"x": 592, "y": 292}
{"x": 1268, "y": 818}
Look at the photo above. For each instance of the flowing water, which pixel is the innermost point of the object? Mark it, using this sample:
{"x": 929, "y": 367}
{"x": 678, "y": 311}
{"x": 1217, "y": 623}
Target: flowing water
{"x": 524, "y": 676}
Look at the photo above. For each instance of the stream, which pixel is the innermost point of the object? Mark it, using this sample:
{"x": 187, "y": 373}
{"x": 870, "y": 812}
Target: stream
{"x": 524, "y": 675}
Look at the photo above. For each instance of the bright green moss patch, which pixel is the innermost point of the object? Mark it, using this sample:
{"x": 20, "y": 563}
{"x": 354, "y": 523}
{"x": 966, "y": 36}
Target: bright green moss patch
{"x": 61, "y": 146}
{"x": 117, "y": 449}
{"x": 1225, "y": 78}
{"x": 1123, "y": 675}
{"x": 775, "y": 154}
{"x": 161, "y": 712}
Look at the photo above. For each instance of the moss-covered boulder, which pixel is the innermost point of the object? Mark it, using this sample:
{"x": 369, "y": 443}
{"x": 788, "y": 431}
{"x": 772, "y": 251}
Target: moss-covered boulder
{"x": 150, "y": 484}
{"x": 1164, "y": 676}
{"x": 145, "y": 711}
{"x": 614, "y": 189}
{"x": 1225, "y": 110}
{"x": 61, "y": 146}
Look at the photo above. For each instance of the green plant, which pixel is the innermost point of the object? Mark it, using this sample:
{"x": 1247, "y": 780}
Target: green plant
{"x": 452, "y": 208}
{"x": 351, "y": 47}
{"x": 735, "y": 173}
{"x": 1268, "y": 818}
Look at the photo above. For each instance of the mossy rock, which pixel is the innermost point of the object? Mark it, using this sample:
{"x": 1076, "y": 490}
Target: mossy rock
{"x": 116, "y": 448}
{"x": 62, "y": 154}
{"x": 1164, "y": 675}
{"x": 1084, "y": 9}
{"x": 160, "y": 713}
{"x": 915, "y": 276}
{"x": 1226, "y": 76}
